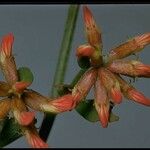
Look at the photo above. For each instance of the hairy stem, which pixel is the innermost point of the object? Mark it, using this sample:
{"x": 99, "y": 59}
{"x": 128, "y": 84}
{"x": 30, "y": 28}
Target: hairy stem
{"x": 61, "y": 66}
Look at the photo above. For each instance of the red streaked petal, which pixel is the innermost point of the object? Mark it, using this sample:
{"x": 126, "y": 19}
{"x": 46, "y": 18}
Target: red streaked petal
{"x": 104, "y": 116}
{"x": 64, "y": 103}
{"x": 37, "y": 142}
{"x": 92, "y": 31}
{"x": 131, "y": 68}
{"x": 103, "y": 113}
{"x": 7, "y": 43}
{"x": 85, "y": 83}
{"x": 138, "y": 97}
{"x": 33, "y": 138}
{"x": 142, "y": 70}
{"x": 116, "y": 95}
{"x": 88, "y": 17}
{"x": 130, "y": 47}
{"x": 26, "y": 117}
{"x": 143, "y": 40}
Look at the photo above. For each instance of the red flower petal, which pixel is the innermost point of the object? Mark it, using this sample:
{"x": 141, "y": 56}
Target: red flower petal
{"x": 61, "y": 104}
{"x": 116, "y": 95}
{"x": 7, "y": 43}
{"x": 104, "y": 116}
{"x": 26, "y": 118}
{"x": 138, "y": 97}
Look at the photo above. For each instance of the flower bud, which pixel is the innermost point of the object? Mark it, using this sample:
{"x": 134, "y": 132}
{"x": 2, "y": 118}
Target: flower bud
{"x": 130, "y": 47}
{"x": 111, "y": 84}
{"x": 85, "y": 50}
{"x": 138, "y": 97}
{"x": 101, "y": 103}
{"x": 92, "y": 31}
{"x": 84, "y": 85}
{"x": 7, "y": 62}
{"x": 6, "y": 45}
{"x": 130, "y": 68}
{"x": 131, "y": 93}
{"x": 5, "y": 105}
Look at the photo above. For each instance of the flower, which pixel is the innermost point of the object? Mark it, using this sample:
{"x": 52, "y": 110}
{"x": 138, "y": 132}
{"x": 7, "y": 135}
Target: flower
{"x": 17, "y": 98}
{"x": 105, "y": 76}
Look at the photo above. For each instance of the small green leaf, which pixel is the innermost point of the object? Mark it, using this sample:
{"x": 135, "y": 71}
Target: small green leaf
{"x": 87, "y": 110}
{"x": 84, "y": 62}
{"x": 25, "y": 74}
{"x": 113, "y": 117}
{"x": 10, "y": 132}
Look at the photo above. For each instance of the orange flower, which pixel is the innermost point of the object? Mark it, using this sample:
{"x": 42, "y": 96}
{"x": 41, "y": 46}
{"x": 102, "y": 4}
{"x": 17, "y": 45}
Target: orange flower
{"x": 19, "y": 98}
{"x": 109, "y": 87}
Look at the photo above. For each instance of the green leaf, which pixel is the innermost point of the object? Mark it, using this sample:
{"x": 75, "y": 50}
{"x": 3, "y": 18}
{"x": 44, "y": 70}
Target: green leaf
{"x": 1, "y": 125}
{"x": 87, "y": 110}
{"x": 113, "y": 117}
{"x": 10, "y": 132}
{"x": 25, "y": 74}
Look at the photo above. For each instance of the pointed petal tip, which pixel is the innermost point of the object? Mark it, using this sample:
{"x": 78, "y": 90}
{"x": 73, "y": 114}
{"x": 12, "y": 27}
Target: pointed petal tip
{"x": 34, "y": 140}
{"x": 103, "y": 113}
{"x": 87, "y": 14}
{"x": 104, "y": 116}
{"x": 61, "y": 104}
{"x": 143, "y": 39}
{"x": 38, "y": 143}
{"x": 6, "y": 45}
{"x": 138, "y": 97}
{"x": 143, "y": 70}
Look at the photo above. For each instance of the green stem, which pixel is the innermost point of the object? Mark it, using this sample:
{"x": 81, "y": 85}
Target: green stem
{"x": 61, "y": 66}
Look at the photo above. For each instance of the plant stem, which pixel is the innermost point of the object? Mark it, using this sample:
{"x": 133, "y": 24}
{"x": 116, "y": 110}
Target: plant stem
{"x": 61, "y": 66}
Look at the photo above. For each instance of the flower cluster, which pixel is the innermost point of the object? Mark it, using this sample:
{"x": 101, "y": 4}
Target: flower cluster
{"x": 105, "y": 76}
{"x": 17, "y": 99}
